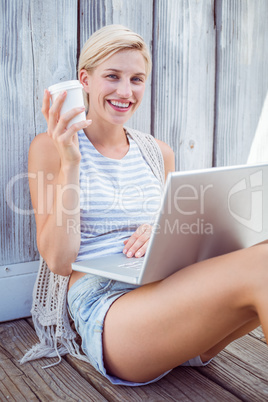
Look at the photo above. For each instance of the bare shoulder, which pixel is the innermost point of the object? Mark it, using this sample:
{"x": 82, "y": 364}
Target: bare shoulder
{"x": 43, "y": 154}
{"x": 41, "y": 144}
{"x": 166, "y": 150}
{"x": 168, "y": 156}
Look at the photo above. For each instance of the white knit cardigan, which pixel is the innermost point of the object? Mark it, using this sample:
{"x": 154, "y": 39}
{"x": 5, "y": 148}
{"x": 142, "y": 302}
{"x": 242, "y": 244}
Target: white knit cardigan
{"x": 49, "y": 309}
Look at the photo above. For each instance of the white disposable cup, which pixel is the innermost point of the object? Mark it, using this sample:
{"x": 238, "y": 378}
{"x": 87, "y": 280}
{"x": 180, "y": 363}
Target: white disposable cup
{"x": 73, "y": 99}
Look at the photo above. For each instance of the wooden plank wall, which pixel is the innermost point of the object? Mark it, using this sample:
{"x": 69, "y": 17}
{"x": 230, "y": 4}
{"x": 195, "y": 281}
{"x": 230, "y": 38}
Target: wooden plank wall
{"x": 241, "y": 76}
{"x": 204, "y": 96}
{"x": 184, "y": 80}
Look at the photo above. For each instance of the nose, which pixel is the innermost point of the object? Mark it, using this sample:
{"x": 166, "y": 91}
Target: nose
{"x": 124, "y": 89}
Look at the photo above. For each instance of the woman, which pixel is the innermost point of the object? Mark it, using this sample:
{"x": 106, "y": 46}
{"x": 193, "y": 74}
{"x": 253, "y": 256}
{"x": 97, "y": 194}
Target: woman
{"x": 131, "y": 334}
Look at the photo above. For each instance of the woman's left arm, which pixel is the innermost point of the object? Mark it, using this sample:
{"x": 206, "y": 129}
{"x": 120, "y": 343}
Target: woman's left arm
{"x": 137, "y": 244}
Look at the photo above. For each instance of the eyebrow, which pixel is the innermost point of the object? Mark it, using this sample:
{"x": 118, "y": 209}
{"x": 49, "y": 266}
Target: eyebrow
{"x": 115, "y": 70}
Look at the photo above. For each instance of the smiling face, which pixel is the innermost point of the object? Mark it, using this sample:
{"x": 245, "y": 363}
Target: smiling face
{"x": 115, "y": 87}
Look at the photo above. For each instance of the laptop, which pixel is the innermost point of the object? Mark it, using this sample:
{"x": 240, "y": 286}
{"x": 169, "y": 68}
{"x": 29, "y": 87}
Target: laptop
{"x": 204, "y": 213}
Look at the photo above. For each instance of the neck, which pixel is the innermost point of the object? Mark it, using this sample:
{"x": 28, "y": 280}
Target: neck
{"x": 106, "y": 135}
{"x": 109, "y": 140}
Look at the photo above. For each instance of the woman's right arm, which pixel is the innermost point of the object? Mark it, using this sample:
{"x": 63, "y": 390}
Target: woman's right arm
{"x": 53, "y": 166}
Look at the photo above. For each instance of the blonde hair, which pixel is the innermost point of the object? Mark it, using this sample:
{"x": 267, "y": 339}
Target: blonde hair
{"x": 106, "y": 42}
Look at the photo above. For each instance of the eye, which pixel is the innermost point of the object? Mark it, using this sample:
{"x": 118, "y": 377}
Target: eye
{"x": 137, "y": 79}
{"x": 112, "y": 76}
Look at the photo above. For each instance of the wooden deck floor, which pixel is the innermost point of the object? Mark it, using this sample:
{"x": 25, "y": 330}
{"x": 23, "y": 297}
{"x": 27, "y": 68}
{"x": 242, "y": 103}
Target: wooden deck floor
{"x": 238, "y": 373}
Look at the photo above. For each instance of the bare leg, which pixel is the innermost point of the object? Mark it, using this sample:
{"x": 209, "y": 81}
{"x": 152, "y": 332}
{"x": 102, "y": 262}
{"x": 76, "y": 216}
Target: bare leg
{"x": 245, "y": 329}
{"x": 196, "y": 311}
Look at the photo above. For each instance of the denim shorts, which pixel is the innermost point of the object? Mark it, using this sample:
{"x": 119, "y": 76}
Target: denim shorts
{"x": 89, "y": 299}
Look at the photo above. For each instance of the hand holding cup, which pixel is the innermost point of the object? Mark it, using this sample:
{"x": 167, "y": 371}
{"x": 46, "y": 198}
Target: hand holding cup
{"x": 65, "y": 117}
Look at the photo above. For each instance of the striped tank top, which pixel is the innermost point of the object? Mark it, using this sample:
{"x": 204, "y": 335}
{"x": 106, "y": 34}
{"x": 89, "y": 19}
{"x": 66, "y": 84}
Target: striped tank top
{"x": 116, "y": 197}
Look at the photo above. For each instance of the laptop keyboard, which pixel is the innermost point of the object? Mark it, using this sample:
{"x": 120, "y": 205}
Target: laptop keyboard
{"x": 131, "y": 264}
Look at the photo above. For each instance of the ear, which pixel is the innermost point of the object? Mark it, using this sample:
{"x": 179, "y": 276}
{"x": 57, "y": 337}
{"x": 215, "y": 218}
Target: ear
{"x": 84, "y": 78}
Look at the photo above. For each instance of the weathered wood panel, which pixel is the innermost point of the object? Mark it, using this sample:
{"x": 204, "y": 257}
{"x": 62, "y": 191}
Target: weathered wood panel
{"x": 242, "y": 369}
{"x": 54, "y": 44}
{"x": 17, "y": 130}
{"x": 182, "y": 384}
{"x": 184, "y": 79}
{"x": 136, "y": 15}
{"x": 258, "y": 333}
{"x": 242, "y": 79}
{"x": 40, "y": 46}
{"x": 30, "y": 382}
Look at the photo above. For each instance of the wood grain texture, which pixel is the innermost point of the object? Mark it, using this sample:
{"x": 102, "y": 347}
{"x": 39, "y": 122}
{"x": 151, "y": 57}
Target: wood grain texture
{"x": 136, "y": 15}
{"x": 181, "y": 384}
{"x": 17, "y": 128}
{"x": 39, "y": 49}
{"x": 242, "y": 369}
{"x": 30, "y": 382}
{"x": 54, "y": 44}
{"x": 242, "y": 79}
{"x": 258, "y": 333}
{"x": 184, "y": 80}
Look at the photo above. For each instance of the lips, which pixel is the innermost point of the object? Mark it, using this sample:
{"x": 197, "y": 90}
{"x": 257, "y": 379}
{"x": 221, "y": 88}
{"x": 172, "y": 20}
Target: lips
{"x": 120, "y": 106}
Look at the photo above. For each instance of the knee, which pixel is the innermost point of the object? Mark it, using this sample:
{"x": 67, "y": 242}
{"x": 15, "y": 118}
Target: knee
{"x": 260, "y": 262}
{"x": 261, "y": 253}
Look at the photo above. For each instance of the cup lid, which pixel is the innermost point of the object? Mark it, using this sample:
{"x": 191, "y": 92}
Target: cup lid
{"x": 64, "y": 85}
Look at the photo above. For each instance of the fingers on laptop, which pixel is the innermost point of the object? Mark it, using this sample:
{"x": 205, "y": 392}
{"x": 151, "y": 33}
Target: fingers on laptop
{"x": 137, "y": 244}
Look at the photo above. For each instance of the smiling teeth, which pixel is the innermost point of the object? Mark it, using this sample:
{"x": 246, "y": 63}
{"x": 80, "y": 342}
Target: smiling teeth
{"x": 119, "y": 104}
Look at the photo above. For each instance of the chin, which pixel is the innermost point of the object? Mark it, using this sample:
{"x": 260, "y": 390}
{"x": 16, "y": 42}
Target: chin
{"x": 120, "y": 120}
